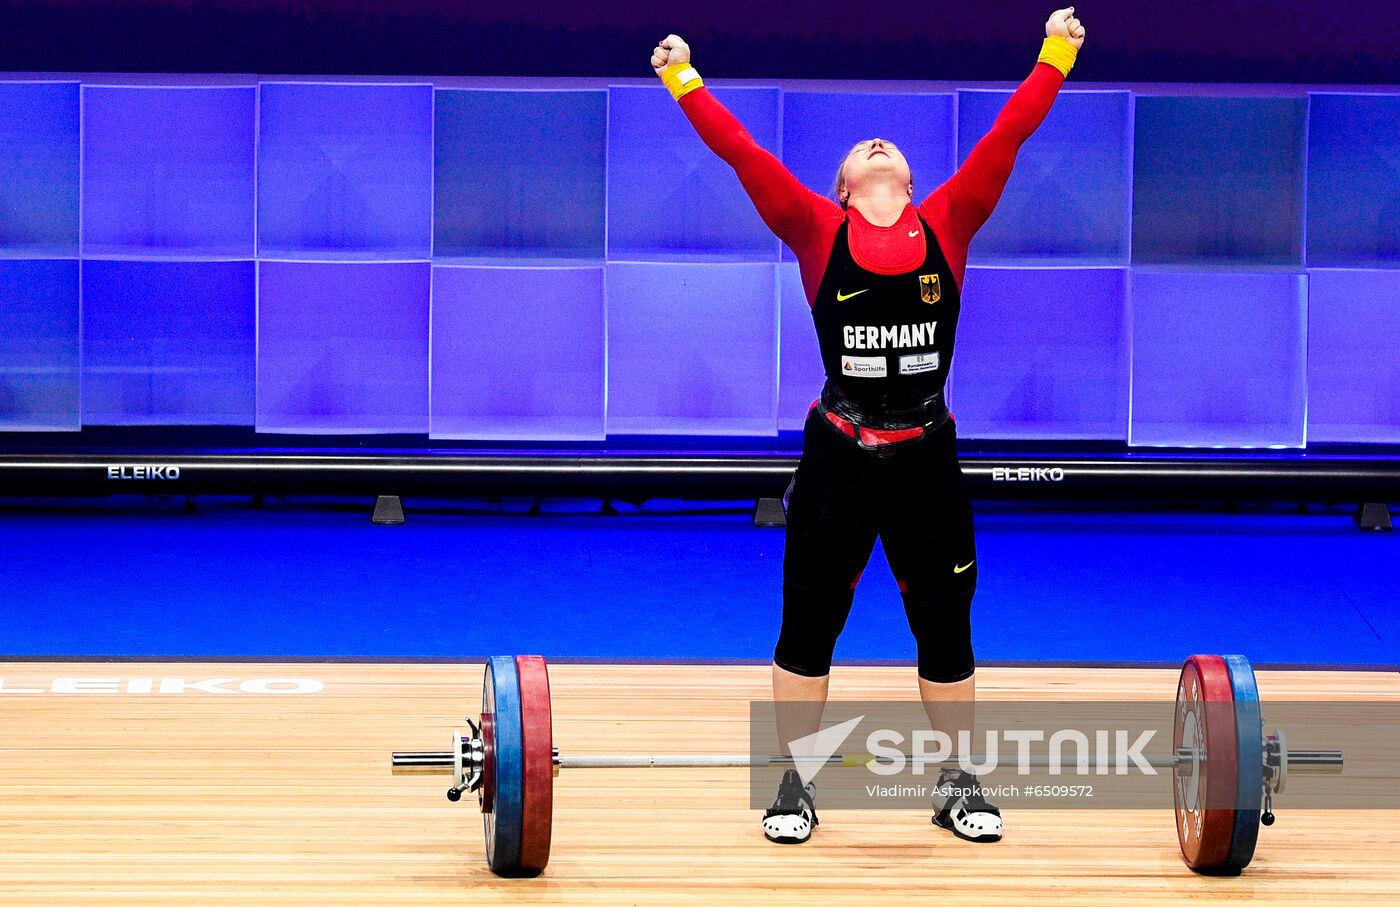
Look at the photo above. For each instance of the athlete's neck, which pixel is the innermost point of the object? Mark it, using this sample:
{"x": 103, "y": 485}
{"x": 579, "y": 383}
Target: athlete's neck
{"x": 881, "y": 208}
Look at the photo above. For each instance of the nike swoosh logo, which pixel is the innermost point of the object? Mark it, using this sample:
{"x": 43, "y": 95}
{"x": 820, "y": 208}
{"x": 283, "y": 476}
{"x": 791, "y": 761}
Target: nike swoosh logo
{"x": 913, "y": 233}
{"x": 842, "y": 297}
{"x": 963, "y": 568}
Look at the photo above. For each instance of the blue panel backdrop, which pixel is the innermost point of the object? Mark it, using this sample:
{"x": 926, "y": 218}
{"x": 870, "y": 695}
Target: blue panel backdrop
{"x": 800, "y": 371}
{"x": 168, "y": 343}
{"x": 39, "y": 127}
{"x": 1068, "y": 200}
{"x": 518, "y": 353}
{"x": 343, "y": 347}
{"x": 1354, "y": 180}
{"x": 1353, "y": 369}
{"x": 1206, "y": 188}
{"x": 670, "y": 197}
{"x": 520, "y": 173}
{"x": 168, "y": 170}
{"x": 39, "y": 355}
{"x": 692, "y": 349}
{"x": 1219, "y": 180}
{"x": 820, "y": 127}
{"x": 345, "y": 171}
{"x": 1042, "y": 354}
{"x": 1219, "y": 359}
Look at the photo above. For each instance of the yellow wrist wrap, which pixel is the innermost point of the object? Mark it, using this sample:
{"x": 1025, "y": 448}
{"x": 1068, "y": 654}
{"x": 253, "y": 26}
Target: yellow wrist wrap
{"x": 681, "y": 79}
{"x": 1059, "y": 53}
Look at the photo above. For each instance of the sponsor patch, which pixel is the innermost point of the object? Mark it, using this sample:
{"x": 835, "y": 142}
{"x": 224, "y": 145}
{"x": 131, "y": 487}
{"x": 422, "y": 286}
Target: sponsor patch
{"x": 864, "y": 366}
{"x": 1028, "y": 474}
{"x": 143, "y": 472}
{"x": 918, "y": 364}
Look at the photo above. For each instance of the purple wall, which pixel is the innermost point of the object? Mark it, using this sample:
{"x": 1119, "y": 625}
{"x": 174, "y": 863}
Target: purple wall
{"x": 548, "y": 262}
{"x": 1346, "y": 41}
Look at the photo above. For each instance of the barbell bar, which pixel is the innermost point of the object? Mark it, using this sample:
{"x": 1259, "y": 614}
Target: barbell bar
{"x": 508, "y": 759}
{"x": 441, "y": 762}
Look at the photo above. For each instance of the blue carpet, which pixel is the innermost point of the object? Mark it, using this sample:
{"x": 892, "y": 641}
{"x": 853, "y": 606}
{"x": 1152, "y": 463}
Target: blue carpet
{"x": 671, "y": 583}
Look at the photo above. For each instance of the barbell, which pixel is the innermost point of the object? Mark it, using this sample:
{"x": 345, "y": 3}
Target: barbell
{"x": 1223, "y": 767}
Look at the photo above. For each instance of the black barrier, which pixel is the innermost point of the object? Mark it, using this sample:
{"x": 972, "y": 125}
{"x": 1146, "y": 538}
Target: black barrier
{"x": 701, "y": 477}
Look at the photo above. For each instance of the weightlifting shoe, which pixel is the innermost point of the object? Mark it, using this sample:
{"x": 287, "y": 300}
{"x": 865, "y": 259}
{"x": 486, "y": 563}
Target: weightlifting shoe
{"x": 793, "y": 815}
{"x": 963, "y": 810}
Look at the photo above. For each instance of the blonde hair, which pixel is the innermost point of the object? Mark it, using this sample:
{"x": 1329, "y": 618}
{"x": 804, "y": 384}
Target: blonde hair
{"x": 841, "y": 173}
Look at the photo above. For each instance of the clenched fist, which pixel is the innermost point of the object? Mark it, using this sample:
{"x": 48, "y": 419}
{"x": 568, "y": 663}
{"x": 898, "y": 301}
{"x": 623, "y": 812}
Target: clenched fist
{"x": 1063, "y": 23}
{"x": 671, "y": 50}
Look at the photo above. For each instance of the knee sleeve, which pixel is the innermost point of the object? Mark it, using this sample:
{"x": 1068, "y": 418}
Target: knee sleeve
{"x": 812, "y": 621}
{"x": 942, "y": 628}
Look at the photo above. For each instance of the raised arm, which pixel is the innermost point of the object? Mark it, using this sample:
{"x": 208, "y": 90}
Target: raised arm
{"x": 968, "y": 198}
{"x": 790, "y": 209}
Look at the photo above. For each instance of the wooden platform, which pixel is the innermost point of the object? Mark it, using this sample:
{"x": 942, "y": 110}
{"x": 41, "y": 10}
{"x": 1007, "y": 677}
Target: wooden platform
{"x": 210, "y": 798}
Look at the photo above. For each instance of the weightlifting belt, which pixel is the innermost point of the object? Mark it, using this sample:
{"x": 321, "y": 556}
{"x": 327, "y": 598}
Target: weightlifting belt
{"x": 882, "y": 431}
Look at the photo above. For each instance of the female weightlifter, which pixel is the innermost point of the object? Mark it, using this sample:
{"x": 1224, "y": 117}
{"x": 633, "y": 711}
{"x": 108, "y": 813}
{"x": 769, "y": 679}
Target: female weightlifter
{"x": 883, "y": 279}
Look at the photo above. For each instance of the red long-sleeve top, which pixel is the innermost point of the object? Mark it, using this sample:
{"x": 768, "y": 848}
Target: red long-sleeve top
{"x": 807, "y": 222}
